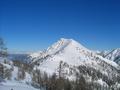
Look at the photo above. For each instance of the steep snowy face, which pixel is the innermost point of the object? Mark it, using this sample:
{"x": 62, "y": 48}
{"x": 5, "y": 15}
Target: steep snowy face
{"x": 61, "y": 46}
{"x": 113, "y": 55}
{"x": 67, "y": 49}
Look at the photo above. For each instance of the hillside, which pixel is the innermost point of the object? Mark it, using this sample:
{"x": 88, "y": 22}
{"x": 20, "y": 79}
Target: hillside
{"x": 75, "y": 58}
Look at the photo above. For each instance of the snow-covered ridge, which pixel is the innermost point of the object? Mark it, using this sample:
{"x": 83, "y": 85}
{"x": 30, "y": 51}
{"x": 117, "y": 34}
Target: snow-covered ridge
{"x": 70, "y": 52}
{"x": 113, "y": 55}
{"x": 63, "y": 43}
{"x": 69, "y": 49}
{"x": 57, "y": 47}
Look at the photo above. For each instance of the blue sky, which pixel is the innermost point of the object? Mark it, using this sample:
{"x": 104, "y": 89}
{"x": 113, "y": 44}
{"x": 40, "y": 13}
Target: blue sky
{"x": 31, "y": 25}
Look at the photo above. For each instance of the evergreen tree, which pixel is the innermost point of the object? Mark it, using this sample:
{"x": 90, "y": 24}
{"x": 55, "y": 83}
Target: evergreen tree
{"x": 20, "y": 74}
{"x": 3, "y": 53}
{"x": 3, "y": 49}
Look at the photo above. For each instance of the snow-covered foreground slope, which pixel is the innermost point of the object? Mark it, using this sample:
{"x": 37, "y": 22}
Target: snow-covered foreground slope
{"x": 13, "y": 85}
{"x": 10, "y": 77}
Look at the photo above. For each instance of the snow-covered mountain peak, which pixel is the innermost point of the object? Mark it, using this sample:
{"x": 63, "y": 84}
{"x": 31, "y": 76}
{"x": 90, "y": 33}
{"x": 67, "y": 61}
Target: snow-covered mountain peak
{"x": 68, "y": 51}
{"x": 67, "y": 48}
{"x": 62, "y": 44}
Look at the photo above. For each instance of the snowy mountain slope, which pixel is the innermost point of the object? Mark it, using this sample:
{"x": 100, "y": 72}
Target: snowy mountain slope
{"x": 68, "y": 51}
{"x": 55, "y": 48}
{"x": 73, "y": 55}
{"x": 65, "y": 46}
{"x": 113, "y": 55}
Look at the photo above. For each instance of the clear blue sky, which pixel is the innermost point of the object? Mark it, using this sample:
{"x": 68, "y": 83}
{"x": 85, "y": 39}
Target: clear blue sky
{"x": 36, "y": 24}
